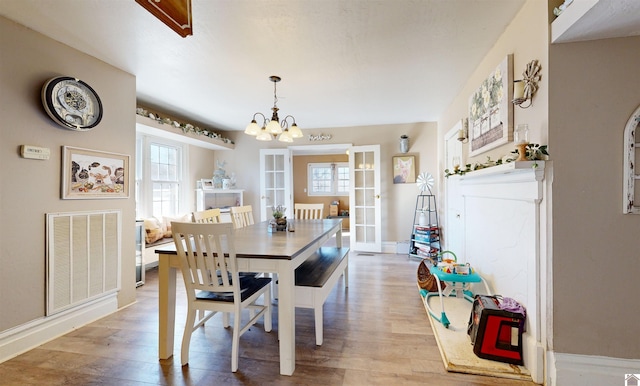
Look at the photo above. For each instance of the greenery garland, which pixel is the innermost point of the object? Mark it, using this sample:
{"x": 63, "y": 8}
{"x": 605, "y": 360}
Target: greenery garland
{"x": 185, "y": 127}
{"x": 534, "y": 152}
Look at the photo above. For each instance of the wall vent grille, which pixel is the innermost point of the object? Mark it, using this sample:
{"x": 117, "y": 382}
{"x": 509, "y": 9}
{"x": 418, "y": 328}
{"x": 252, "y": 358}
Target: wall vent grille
{"x": 83, "y": 257}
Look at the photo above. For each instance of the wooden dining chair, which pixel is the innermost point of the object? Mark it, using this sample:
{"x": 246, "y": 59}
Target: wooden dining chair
{"x": 308, "y": 211}
{"x": 207, "y": 216}
{"x": 210, "y": 272}
{"x": 241, "y": 216}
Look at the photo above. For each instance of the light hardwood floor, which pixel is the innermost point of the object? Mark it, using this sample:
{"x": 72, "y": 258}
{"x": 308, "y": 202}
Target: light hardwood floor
{"x": 376, "y": 332}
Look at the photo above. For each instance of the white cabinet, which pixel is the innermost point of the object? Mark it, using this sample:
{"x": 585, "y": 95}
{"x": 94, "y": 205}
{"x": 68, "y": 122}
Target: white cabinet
{"x": 219, "y": 198}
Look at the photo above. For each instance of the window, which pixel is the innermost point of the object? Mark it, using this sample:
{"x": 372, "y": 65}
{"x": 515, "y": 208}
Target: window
{"x": 328, "y": 179}
{"x": 159, "y": 177}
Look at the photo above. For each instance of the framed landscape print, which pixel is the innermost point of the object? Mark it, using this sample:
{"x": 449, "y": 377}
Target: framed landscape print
{"x": 94, "y": 174}
{"x": 491, "y": 110}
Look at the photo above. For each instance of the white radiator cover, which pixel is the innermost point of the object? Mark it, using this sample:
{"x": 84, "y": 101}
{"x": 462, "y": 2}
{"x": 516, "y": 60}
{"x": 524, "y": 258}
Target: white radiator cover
{"x": 83, "y": 257}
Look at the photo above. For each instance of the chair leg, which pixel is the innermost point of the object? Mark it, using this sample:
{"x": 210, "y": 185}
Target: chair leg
{"x": 236, "y": 341}
{"x": 225, "y": 319}
{"x": 317, "y": 313}
{"x": 346, "y": 276}
{"x": 186, "y": 337}
{"x": 267, "y": 313}
{"x": 274, "y": 286}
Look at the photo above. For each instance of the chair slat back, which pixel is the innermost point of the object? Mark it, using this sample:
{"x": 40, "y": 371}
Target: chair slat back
{"x": 207, "y": 216}
{"x": 207, "y": 257}
{"x": 308, "y": 211}
{"x": 241, "y": 216}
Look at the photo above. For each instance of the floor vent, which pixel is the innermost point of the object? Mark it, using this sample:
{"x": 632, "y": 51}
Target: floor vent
{"x": 83, "y": 257}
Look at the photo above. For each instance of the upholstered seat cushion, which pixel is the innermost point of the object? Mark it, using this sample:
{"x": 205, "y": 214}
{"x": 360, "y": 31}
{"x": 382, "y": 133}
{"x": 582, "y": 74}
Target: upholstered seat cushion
{"x": 249, "y": 285}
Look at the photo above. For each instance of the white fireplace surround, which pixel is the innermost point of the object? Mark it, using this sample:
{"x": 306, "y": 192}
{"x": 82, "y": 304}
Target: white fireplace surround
{"x": 494, "y": 222}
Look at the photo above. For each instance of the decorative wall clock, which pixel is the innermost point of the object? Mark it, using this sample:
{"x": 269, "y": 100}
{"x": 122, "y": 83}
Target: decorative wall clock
{"x": 72, "y": 103}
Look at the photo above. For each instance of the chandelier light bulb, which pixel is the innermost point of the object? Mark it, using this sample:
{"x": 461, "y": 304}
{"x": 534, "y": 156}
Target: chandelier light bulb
{"x": 285, "y": 136}
{"x": 264, "y": 135}
{"x": 252, "y": 128}
{"x": 295, "y": 131}
{"x": 274, "y": 127}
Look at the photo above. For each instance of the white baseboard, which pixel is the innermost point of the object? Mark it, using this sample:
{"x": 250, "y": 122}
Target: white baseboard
{"x": 533, "y": 354}
{"x": 18, "y": 340}
{"x": 389, "y": 247}
{"x": 584, "y": 370}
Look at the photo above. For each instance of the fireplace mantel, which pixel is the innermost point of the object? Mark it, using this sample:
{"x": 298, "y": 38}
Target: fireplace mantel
{"x": 495, "y": 222}
{"x": 512, "y": 181}
{"x": 518, "y": 171}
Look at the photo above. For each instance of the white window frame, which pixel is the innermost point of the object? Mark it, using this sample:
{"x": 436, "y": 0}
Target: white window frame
{"x": 144, "y": 185}
{"x": 334, "y": 178}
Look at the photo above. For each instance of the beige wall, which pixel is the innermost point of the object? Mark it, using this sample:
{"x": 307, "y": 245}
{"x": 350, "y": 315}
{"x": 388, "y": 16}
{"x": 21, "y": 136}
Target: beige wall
{"x": 202, "y": 163}
{"x": 398, "y": 200}
{"x": 526, "y": 38}
{"x": 300, "y": 181}
{"x": 587, "y": 93}
{"x": 30, "y": 188}
{"x": 596, "y": 248}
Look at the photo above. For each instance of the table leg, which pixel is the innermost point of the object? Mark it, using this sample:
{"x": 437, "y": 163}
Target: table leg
{"x": 166, "y": 307}
{"x": 286, "y": 319}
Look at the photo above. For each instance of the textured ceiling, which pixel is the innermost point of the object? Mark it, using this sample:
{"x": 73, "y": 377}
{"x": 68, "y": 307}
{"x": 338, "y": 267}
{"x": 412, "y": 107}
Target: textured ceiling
{"x": 342, "y": 62}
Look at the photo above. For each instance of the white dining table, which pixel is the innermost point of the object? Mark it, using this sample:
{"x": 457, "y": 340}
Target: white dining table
{"x": 257, "y": 250}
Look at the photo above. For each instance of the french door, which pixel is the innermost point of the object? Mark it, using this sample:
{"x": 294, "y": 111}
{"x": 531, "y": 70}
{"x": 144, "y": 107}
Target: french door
{"x": 364, "y": 199}
{"x": 276, "y": 181}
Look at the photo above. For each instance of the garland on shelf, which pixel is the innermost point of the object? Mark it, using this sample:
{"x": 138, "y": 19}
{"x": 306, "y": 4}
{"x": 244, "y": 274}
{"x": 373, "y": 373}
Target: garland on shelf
{"x": 185, "y": 127}
{"x": 535, "y": 152}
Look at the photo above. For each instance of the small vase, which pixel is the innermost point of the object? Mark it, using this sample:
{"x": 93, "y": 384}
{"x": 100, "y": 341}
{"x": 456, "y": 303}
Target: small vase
{"x": 281, "y": 224}
{"x": 422, "y": 219}
{"x": 404, "y": 144}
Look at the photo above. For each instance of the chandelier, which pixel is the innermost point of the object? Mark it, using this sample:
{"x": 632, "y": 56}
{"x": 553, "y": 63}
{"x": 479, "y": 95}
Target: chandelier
{"x": 274, "y": 128}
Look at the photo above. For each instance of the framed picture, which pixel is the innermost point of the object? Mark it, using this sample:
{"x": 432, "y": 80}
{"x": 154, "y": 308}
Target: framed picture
{"x": 94, "y": 174}
{"x": 491, "y": 110}
{"x": 206, "y": 184}
{"x": 404, "y": 171}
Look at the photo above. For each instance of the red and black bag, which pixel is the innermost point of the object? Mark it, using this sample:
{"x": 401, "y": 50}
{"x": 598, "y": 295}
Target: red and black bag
{"x": 496, "y": 333}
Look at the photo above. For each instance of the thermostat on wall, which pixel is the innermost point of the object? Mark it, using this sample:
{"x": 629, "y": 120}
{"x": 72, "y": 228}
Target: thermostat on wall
{"x": 34, "y": 152}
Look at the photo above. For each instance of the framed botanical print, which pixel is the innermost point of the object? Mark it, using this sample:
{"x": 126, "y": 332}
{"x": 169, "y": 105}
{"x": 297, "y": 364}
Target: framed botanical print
{"x": 491, "y": 110}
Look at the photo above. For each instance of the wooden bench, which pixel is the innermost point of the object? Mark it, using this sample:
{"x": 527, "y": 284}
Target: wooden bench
{"x": 316, "y": 277}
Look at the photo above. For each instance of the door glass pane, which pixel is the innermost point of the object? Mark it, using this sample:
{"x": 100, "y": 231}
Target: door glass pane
{"x": 369, "y": 181}
{"x": 279, "y": 162}
{"x": 279, "y": 197}
{"x": 269, "y": 180}
{"x": 368, "y": 160}
{"x": 360, "y": 235}
{"x": 359, "y": 215}
{"x": 370, "y": 234}
{"x": 359, "y": 197}
{"x": 358, "y": 176}
{"x": 268, "y": 162}
{"x": 359, "y": 160}
{"x": 279, "y": 179}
